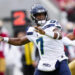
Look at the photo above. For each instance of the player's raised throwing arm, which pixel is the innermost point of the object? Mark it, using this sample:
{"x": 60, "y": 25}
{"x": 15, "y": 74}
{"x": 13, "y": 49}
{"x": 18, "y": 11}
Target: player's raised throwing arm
{"x": 55, "y": 34}
{"x": 15, "y": 41}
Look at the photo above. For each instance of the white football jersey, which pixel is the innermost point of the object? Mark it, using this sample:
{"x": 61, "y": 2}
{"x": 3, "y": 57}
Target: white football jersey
{"x": 49, "y": 49}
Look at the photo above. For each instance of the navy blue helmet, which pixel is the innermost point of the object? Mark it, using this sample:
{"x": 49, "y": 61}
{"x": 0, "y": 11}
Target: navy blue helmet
{"x": 37, "y": 9}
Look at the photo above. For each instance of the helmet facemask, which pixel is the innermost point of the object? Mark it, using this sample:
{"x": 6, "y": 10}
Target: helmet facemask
{"x": 40, "y": 18}
{"x": 39, "y": 15}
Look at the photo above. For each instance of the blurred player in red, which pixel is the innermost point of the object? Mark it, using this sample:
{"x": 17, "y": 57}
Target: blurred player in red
{"x": 72, "y": 64}
{"x": 2, "y": 44}
{"x": 70, "y": 40}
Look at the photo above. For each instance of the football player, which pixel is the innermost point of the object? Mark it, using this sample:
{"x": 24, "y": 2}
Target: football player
{"x": 70, "y": 41}
{"x": 46, "y": 35}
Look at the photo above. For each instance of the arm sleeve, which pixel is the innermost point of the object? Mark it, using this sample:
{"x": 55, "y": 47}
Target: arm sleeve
{"x": 51, "y": 31}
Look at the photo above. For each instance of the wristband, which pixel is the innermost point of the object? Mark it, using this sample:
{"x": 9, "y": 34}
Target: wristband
{"x": 6, "y": 39}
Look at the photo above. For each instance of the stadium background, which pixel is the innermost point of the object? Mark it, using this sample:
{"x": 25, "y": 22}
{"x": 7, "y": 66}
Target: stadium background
{"x": 62, "y": 10}
{"x": 6, "y": 7}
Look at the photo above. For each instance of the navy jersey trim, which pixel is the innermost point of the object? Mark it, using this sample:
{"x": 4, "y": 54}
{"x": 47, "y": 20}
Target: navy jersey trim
{"x": 29, "y": 33}
{"x": 47, "y": 26}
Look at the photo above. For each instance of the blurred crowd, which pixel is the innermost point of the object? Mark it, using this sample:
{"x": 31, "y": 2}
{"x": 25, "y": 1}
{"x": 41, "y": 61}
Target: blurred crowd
{"x": 23, "y": 60}
{"x": 17, "y": 60}
{"x": 67, "y": 8}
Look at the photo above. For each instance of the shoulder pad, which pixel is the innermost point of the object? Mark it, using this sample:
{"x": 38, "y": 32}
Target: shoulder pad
{"x": 53, "y": 21}
{"x": 30, "y": 31}
{"x": 50, "y": 22}
{"x": 56, "y": 23}
{"x": 47, "y": 26}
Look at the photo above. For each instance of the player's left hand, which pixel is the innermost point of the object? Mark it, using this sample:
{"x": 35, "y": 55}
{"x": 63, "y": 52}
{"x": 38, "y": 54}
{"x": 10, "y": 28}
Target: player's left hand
{"x": 39, "y": 30}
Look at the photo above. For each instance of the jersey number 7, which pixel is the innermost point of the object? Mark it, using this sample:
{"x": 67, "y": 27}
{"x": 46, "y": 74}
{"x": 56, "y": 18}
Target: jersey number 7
{"x": 41, "y": 44}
